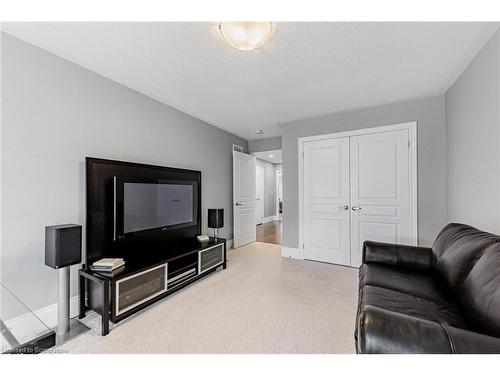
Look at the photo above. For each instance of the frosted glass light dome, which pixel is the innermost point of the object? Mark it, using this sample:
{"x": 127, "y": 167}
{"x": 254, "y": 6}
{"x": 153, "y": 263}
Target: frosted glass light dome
{"x": 245, "y": 36}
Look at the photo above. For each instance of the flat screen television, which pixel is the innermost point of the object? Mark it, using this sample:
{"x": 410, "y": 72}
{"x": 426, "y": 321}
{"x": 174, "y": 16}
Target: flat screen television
{"x": 145, "y": 206}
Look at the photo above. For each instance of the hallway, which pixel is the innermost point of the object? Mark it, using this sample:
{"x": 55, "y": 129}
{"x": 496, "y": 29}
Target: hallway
{"x": 270, "y": 232}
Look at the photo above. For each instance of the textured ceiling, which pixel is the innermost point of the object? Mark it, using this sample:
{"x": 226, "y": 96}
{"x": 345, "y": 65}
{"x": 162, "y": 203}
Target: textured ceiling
{"x": 305, "y": 70}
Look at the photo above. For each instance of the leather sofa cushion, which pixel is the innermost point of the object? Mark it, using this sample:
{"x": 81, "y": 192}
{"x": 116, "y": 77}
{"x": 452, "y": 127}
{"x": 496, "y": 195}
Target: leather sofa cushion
{"x": 457, "y": 249}
{"x": 480, "y": 293}
{"x": 439, "y": 311}
{"x": 416, "y": 283}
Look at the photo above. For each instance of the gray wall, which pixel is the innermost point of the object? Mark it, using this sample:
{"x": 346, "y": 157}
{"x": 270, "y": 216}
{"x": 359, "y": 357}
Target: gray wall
{"x": 430, "y": 115}
{"x": 269, "y": 187}
{"x": 56, "y": 113}
{"x": 472, "y": 141}
{"x": 265, "y": 144}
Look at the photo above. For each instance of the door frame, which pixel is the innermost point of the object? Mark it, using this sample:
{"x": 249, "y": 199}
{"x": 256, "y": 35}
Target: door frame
{"x": 276, "y": 201}
{"x": 412, "y": 133}
{"x": 257, "y": 169}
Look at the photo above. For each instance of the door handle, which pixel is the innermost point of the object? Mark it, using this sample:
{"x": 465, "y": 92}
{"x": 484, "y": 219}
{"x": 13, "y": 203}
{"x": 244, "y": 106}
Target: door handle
{"x": 345, "y": 207}
{"x": 356, "y": 208}
{"x": 238, "y": 204}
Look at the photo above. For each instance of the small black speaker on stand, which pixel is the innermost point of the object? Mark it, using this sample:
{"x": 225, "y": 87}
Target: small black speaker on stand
{"x": 216, "y": 219}
{"x": 63, "y": 248}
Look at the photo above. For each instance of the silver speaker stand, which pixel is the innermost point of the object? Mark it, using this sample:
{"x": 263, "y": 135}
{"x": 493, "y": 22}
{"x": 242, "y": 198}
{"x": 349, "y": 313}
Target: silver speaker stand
{"x": 67, "y": 328}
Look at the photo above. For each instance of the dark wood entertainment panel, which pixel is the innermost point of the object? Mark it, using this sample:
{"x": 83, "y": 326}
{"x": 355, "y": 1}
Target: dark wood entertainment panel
{"x": 160, "y": 259}
{"x": 139, "y": 285}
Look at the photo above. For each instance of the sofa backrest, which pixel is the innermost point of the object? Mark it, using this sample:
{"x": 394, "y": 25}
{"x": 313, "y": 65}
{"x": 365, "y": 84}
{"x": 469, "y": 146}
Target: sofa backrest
{"x": 457, "y": 249}
{"x": 480, "y": 293}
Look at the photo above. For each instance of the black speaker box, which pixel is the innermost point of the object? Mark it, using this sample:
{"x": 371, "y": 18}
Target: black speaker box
{"x": 215, "y": 218}
{"x": 63, "y": 245}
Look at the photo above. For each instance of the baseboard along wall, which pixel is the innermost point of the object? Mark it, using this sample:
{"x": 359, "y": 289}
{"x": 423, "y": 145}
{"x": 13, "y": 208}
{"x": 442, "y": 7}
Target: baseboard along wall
{"x": 26, "y": 326}
{"x": 292, "y": 252}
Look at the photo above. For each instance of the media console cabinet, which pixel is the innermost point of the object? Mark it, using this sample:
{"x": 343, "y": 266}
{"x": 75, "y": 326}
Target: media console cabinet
{"x": 142, "y": 282}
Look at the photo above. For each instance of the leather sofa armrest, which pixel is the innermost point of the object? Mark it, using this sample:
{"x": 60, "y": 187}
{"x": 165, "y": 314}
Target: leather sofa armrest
{"x": 414, "y": 257}
{"x": 469, "y": 342}
{"x": 382, "y": 331}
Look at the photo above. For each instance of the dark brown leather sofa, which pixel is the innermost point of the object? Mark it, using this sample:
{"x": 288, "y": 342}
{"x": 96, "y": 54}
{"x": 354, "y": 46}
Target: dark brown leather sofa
{"x": 444, "y": 299}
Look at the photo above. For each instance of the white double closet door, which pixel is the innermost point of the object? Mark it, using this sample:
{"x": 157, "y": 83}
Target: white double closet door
{"x": 356, "y": 188}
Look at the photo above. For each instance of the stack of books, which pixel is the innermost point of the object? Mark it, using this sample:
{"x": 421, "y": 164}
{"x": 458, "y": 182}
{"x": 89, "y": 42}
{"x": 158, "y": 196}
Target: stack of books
{"x": 110, "y": 266}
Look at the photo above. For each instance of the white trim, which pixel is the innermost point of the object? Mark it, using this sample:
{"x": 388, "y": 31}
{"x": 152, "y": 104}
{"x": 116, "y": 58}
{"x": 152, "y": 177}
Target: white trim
{"x": 412, "y": 133}
{"x": 268, "y": 219}
{"x": 258, "y": 171}
{"x": 292, "y": 252}
{"x": 233, "y": 208}
{"x": 25, "y": 324}
{"x": 276, "y": 200}
{"x": 351, "y": 133}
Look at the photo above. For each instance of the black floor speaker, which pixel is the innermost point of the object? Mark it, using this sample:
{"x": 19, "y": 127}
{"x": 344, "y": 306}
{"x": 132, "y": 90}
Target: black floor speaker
{"x": 63, "y": 245}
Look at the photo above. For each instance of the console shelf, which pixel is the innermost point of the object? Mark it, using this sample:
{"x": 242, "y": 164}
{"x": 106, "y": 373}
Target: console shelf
{"x": 143, "y": 282}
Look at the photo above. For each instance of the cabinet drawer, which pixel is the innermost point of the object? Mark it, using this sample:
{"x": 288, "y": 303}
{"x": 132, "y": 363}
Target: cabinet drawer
{"x": 210, "y": 258}
{"x": 136, "y": 289}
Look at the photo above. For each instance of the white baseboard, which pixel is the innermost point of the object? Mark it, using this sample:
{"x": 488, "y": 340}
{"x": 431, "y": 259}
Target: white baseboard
{"x": 291, "y": 252}
{"x": 25, "y": 325}
{"x": 229, "y": 244}
{"x": 268, "y": 219}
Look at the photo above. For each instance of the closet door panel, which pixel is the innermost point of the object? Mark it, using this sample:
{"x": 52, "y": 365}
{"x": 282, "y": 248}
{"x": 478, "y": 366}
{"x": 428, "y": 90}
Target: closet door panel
{"x": 326, "y": 200}
{"x": 380, "y": 190}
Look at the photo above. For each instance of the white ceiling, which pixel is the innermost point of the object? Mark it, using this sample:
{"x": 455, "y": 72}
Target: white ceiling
{"x": 275, "y": 156}
{"x": 305, "y": 70}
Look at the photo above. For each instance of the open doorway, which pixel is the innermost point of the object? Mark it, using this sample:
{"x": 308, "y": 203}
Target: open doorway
{"x": 268, "y": 197}
{"x": 279, "y": 192}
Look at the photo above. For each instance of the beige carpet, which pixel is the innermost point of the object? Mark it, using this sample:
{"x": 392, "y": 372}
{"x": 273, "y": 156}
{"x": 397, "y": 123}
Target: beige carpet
{"x": 262, "y": 303}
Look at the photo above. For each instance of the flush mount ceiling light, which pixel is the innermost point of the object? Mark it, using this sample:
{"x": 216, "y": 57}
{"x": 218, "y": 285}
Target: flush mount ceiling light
{"x": 259, "y": 132}
{"x": 245, "y": 36}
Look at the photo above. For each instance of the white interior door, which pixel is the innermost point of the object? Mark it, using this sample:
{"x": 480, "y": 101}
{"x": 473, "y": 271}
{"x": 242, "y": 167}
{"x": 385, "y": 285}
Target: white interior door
{"x": 259, "y": 195}
{"x": 380, "y": 190}
{"x": 326, "y": 201}
{"x": 243, "y": 199}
